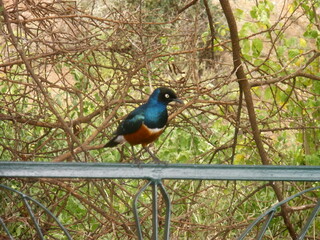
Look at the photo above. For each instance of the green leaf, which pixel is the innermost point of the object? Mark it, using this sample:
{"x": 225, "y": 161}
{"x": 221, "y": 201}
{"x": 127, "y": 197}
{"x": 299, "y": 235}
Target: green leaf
{"x": 313, "y": 159}
{"x": 245, "y": 46}
{"x": 293, "y": 53}
{"x": 291, "y": 42}
{"x": 204, "y": 36}
{"x": 258, "y": 62}
{"x": 281, "y": 50}
{"x": 248, "y": 57}
{"x": 311, "y": 33}
{"x": 238, "y": 12}
{"x": 257, "y": 46}
{"x": 302, "y": 42}
{"x": 254, "y": 13}
{"x": 316, "y": 87}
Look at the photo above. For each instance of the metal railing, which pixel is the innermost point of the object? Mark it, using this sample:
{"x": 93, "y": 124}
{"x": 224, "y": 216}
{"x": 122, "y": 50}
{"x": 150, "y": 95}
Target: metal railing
{"x": 155, "y": 173}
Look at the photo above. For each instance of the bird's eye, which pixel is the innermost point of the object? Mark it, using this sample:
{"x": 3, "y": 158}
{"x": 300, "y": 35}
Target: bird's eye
{"x": 167, "y": 95}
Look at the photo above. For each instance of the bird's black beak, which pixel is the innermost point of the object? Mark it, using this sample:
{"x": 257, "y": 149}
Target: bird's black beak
{"x": 178, "y": 101}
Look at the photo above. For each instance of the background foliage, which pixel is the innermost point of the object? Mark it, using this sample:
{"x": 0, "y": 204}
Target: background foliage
{"x": 71, "y": 70}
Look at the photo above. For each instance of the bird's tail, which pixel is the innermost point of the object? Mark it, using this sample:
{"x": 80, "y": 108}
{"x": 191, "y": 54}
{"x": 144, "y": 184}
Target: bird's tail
{"x": 114, "y": 141}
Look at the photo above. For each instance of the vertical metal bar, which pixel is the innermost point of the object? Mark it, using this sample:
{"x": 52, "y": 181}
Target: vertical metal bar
{"x": 135, "y": 210}
{"x": 54, "y": 217}
{"x": 249, "y": 228}
{"x": 25, "y": 198}
{"x": 265, "y": 225}
{"x": 155, "y": 210}
{"x": 309, "y": 221}
{"x": 6, "y": 229}
{"x": 168, "y": 211}
{"x": 36, "y": 224}
{"x": 155, "y": 215}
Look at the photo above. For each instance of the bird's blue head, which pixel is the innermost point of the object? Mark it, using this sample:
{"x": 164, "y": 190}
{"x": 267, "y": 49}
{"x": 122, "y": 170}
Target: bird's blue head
{"x": 163, "y": 95}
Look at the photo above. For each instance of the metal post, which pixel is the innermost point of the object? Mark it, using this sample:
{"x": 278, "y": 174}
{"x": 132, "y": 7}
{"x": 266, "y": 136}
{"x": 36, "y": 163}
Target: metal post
{"x": 168, "y": 211}
{"x": 309, "y": 220}
{"x": 155, "y": 210}
{"x": 6, "y": 229}
{"x": 155, "y": 183}
{"x": 35, "y": 222}
{"x": 135, "y": 210}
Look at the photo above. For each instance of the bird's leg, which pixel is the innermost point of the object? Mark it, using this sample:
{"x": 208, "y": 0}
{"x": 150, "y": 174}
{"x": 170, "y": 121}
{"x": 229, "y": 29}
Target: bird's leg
{"x": 155, "y": 159}
{"x": 135, "y": 159}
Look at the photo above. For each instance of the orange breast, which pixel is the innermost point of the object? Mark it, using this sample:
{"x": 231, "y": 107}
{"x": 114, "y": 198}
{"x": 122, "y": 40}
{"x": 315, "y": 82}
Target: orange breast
{"x": 143, "y": 136}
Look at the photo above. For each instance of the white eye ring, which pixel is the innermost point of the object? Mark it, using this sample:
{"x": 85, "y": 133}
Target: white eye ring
{"x": 167, "y": 95}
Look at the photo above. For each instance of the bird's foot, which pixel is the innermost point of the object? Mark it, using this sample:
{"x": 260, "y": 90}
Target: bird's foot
{"x": 154, "y": 158}
{"x": 158, "y": 161}
{"x": 137, "y": 161}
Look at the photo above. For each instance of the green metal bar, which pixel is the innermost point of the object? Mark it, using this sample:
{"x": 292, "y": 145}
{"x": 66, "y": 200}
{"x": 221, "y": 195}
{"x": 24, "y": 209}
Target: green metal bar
{"x": 33, "y": 218}
{"x": 155, "y": 224}
{"x": 155, "y": 210}
{"x": 155, "y": 173}
{"x": 25, "y": 197}
{"x": 160, "y": 171}
{"x": 273, "y": 208}
{"x": 135, "y": 210}
{"x": 309, "y": 221}
{"x": 168, "y": 211}
{"x": 265, "y": 225}
{"x": 6, "y": 229}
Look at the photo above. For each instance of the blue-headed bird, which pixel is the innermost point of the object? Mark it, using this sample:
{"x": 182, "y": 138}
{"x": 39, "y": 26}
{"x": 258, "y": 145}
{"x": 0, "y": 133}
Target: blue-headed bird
{"x": 145, "y": 123}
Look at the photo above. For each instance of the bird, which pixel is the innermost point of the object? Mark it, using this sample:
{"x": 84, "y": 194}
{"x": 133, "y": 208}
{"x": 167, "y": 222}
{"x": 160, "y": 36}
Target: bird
{"x": 145, "y": 123}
